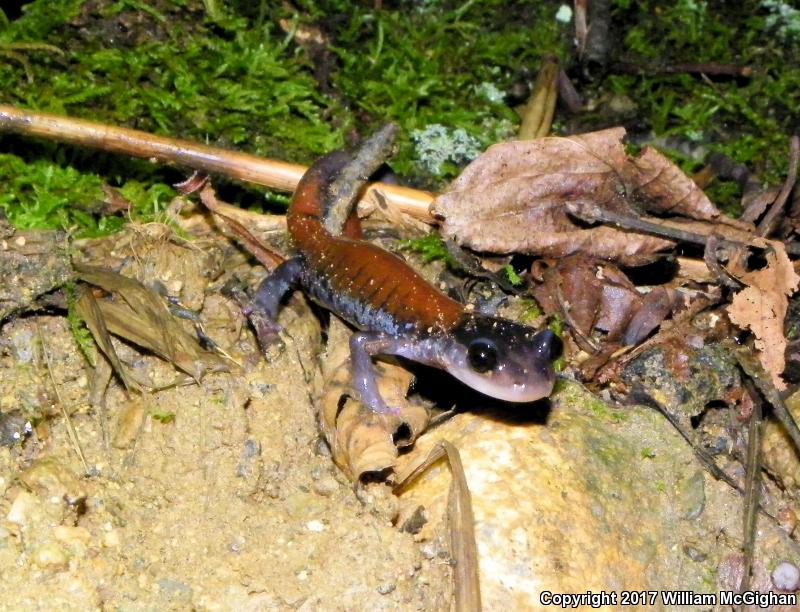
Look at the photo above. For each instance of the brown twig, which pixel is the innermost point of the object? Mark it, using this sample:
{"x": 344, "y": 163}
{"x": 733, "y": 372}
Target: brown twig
{"x": 712, "y": 68}
{"x": 715, "y": 267}
{"x": 592, "y": 213}
{"x": 770, "y": 220}
{"x": 266, "y": 257}
{"x": 581, "y": 24}
{"x": 755, "y": 432}
{"x": 240, "y": 166}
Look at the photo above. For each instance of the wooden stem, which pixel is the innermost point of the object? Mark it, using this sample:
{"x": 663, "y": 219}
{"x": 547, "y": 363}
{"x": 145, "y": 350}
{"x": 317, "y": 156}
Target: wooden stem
{"x": 240, "y": 166}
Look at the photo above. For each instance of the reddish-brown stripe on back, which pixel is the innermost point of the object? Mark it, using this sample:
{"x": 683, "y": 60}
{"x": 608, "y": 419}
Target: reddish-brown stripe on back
{"x": 352, "y": 268}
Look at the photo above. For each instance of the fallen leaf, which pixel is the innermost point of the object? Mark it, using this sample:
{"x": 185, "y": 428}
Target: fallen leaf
{"x": 595, "y": 295}
{"x": 513, "y": 197}
{"x": 761, "y": 308}
{"x": 140, "y": 316}
{"x": 364, "y": 441}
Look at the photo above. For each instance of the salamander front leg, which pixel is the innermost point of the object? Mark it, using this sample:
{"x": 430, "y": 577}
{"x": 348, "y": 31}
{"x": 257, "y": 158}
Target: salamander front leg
{"x": 267, "y": 302}
{"x": 363, "y": 345}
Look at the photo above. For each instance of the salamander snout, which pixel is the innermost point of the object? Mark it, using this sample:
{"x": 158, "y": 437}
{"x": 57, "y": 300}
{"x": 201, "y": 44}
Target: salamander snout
{"x": 501, "y": 358}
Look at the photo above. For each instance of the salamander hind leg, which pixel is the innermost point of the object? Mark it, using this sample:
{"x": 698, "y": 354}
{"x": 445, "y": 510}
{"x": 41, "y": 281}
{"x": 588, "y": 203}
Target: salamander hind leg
{"x": 263, "y": 313}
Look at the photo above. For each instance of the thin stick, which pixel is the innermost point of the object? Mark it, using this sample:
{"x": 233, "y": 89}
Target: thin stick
{"x": 751, "y": 488}
{"x": 73, "y": 435}
{"x": 592, "y": 213}
{"x": 713, "y": 68}
{"x": 464, "y": 549}
{"x": 240, "y": 166}
{"x": 770, "y": 220}
{"x": 266, "y": 257}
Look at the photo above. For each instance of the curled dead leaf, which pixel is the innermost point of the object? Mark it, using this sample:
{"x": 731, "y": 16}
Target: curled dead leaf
{"x": 513, "y": 197}
{"x": 761, "y": 308}
{"x": 364, "y": 441}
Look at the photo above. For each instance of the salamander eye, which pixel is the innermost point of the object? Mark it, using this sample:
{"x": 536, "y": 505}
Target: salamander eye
{"x": 482, "y": 356}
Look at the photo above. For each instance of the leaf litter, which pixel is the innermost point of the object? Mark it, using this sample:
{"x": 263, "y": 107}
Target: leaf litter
{"x": 526, "y": 198}
{"x": 591, "y": 214}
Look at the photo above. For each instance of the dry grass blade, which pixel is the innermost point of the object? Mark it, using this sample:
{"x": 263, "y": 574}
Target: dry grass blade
{"x": 751, "y": 491}
{"x": 73, "y": 435}
{"x": 141, "y": 317}
{"x": 464, "y": 549}
{"x": 89, "y": 311}
{"x": 537, "y": 116}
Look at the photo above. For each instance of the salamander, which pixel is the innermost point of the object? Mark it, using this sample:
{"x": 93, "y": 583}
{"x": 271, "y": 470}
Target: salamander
{"x": 395, "y": 310}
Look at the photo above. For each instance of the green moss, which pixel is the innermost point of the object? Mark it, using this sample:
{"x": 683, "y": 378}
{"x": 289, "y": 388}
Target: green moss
{"x": 531, "y": 310}
{"x": 647, "y": 453}
{"x": 748, "y": 119}
{"x": 162, "y": 416}
{"x": 576, "y": 395}
{"x": 226, "y": 73}
{"x": 430, "y": 247}
{"x": 41, "y": 194}
{"x": 78, "y": 329}
{"x": 204, "y": 71}
{"x": 511, "y": 275}
{"x": 443, "y": 68}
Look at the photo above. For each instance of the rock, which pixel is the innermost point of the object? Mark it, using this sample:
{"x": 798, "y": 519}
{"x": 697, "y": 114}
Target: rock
{"x": 51, "y": 480}
{"x": 33, "y": 263}
{"x": 21, "y": 508}
{"x": 592, "y": 499}
{"x": 786, "y": 576}
{"x": 51, "y": 556}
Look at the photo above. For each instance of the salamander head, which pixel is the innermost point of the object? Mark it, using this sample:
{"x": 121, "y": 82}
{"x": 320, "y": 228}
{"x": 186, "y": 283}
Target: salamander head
{"x": 501, "y": 358}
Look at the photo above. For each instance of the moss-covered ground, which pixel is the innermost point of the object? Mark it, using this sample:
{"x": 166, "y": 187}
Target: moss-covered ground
{"x": 244, "y": 75}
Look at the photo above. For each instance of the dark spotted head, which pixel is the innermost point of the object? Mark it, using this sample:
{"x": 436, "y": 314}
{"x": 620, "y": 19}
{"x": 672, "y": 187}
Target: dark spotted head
{"x": 501, "y": 358}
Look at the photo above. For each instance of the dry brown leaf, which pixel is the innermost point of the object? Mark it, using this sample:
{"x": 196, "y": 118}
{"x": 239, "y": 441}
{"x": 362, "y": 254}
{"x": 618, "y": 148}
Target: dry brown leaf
{"x": 761, "y": 308}
{"x": 663, "y": 188}
{"x": 591, "y": 294}
{"x": 364, "y": 441}
{"x": 140, "y": 316}
{"x": 513, "y": 197}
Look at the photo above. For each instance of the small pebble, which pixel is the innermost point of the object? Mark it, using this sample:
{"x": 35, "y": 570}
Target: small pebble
{"x": 386, "y": 588}
{"x": 316, "y": 526}
{"x": 786, "y": 518}
{"x": 325, "y": 486}
{"x": 786, "y": 576}
{"x": 251, "y": 448}
{"x": 51, "y": 556}
{"x": 21, "y": 508}
{"x": 111, "y": 539}
{"x": 694, "y": 554}
{"x": 429, "y": 550}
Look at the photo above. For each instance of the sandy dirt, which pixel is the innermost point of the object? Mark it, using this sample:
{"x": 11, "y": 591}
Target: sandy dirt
{"x": 221, "y": 495}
